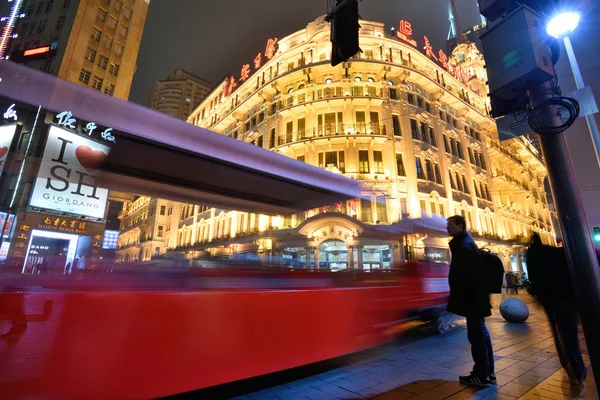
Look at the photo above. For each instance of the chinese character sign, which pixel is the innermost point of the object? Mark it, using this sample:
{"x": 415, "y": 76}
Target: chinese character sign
{"x": 245, "y": 72}
{"x": 443, "y": 59}
{"x": 271, "y": 48}
{"x": 65, "y": 181}
{"x": 428, "y": 50}
{"x": 257, "y": 61}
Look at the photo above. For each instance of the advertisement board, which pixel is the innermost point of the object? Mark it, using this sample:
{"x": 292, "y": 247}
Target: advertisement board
{"x": 65, "y": 181}
{"x": 7, "y": 133}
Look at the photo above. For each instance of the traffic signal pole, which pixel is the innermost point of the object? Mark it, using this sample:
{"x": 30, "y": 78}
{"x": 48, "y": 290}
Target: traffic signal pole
{"x": 583, "y": 264}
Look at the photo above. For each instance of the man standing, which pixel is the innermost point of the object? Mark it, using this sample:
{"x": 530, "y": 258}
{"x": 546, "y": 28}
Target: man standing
{"x": 552, "y": 285}
{"x": 469, "y": 297}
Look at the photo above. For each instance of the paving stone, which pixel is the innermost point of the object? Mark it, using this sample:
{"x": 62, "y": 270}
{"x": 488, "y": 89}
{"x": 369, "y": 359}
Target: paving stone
{"x": 395, "y": 395}
{"x": 514, "y": 389}
{"x": 526, "y": 367}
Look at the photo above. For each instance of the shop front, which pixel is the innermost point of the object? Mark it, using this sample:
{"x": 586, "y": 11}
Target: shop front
{"x": 47, "y": 243}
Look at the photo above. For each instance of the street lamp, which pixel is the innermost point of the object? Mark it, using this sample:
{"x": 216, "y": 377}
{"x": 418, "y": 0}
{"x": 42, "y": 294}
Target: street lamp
{"x": 560, "y": 27}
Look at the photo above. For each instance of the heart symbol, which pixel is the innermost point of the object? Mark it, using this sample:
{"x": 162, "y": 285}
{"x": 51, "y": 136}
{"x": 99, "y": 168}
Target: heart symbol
{"x": 3, "y": 151}
{"x": 89, "y": 159}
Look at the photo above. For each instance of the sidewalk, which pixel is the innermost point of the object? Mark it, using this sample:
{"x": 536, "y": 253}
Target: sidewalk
{"x": 526, "y": 367}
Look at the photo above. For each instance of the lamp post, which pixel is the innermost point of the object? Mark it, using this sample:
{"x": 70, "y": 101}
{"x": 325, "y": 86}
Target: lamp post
{"x": 560, "y": 27}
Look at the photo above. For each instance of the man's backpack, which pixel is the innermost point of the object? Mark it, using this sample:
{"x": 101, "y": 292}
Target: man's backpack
{"x": 494, "y": 271}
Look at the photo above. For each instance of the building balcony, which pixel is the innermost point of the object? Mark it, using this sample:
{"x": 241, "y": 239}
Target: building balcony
{"x": 505, "y": 153}
{"x": 428, "y": 187}
{"x": 368, "y": 129}
{"x": 459, "y": 196}
{"x": 505, "y": 178}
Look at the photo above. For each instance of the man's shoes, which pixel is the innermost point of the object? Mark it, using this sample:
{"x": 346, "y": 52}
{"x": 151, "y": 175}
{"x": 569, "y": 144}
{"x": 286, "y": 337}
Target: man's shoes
{"x": 473, "y": 380}
{"x": 576, "y": 387}
{"x": 492, "y": 378}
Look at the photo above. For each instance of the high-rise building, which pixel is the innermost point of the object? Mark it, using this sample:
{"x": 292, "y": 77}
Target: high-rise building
{"x": 179, "y": 94}
{"x": 93, "y": 43}
{"x": 413, "y": 127}
{"x": 90, "y": 42}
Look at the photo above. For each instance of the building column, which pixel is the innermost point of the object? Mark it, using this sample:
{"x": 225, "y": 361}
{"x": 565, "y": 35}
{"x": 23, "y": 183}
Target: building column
{"x": 360, "y": 257}
{"x": 316, "y": 257}
{"x": 307, "y": 250}
{"x": 397, "y": 254}
{"x": 194, "y": 238}
{"x": 519, "y": 260}
{"x": 350, "y": 257}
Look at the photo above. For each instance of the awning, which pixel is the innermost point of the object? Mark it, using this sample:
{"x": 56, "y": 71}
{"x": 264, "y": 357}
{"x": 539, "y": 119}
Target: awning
{"x": 157, "y": 155}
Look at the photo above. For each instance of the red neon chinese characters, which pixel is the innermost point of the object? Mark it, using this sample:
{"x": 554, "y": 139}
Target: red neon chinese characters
{"x": 245, "y": 72}
{"x": 229, "y": 86}
{"x": 405, "y": 28}
{"x": 428, "y": 49}
{"x": 443, "y": 59}
{"x": 257, "y": 61}
{"x": 271, "y": 49}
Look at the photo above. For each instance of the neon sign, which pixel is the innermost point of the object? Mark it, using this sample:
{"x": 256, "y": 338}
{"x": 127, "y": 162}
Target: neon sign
{"x": 257, "y": 61}
{"x": 39, "y": 50}
{"x": 405, "y": 33}
{"x": 8, "y": 28}
{"x": 245, "y": 72}
{"x": 65, "y": 119}
{"x": 11, "y": 113}
{"x": 428, "y": 50}
{"x": 271, "y": 48}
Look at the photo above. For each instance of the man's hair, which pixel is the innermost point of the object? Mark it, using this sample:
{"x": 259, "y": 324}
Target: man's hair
{"x": 459, "y": 220}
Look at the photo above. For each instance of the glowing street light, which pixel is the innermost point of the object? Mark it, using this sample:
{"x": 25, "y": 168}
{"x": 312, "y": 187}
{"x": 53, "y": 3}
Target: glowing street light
{"x": 563, "y": 24}
{"x": 560, "y": 27}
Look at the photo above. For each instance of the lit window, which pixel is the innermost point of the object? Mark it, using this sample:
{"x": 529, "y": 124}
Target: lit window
{"x": 290, "y": 90}
{"x": 392, "y": 83}
{"x": 114, "y": 69}
{"x": 84, "y": 76}
{"x": 109, "y": 89}
{"x": 97, "y": 83}
{"x": 96, "y": 34}
{"x": 371, "y": 79}
{"x": 328, "y": 80}
{"x": 357, "y": 79}
{"x": 90, "y": 55}
{"x": 101, "y": 15}
{"x": 102, "y": 61}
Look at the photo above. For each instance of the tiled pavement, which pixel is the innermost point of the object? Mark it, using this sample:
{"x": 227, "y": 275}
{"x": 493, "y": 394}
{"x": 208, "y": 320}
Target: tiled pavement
{"x": 526, "y": 366}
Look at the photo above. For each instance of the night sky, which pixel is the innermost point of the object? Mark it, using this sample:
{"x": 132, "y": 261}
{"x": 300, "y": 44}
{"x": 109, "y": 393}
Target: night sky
{"x": 214, "y": 38}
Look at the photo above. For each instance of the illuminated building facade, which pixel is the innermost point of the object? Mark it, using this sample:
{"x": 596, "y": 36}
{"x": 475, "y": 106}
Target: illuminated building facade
{"x": 413, "y": 127}
{"x": 179, "y": 94}
{"x": 148, "y": 229}
{"x": 49, "y": 37}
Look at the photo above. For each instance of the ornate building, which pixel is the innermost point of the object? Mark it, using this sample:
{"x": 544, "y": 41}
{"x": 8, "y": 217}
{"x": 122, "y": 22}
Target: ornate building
{"x": 148, "y": 229}
{"x": 413, "y": 127}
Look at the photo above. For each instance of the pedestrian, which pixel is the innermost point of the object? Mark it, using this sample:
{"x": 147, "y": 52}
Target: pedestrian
{"x": 469, "y": 297}
{"x": 551, "y": 284}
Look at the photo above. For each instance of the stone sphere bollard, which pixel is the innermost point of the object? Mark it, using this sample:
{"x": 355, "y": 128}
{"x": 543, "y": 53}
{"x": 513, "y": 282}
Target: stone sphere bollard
{"x": 514, "y": 310}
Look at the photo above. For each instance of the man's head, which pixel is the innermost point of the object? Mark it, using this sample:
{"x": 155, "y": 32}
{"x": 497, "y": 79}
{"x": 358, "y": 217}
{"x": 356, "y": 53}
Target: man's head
{"x": 456, "y": 224}
{"x": 535, "y": 239}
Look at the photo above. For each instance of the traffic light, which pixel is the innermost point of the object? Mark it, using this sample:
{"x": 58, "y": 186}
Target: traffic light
{"x": 596, "y": 234}
{"x": 344, "y": 31}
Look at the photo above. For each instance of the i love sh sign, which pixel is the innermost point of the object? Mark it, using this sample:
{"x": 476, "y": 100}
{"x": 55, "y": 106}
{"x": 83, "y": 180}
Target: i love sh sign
{"x": 7, "y": 134}
{"x": 66, "y": 180}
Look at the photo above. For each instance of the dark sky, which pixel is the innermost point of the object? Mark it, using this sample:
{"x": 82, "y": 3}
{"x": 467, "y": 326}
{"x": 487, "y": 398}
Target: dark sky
{"x": 214, "y": 38}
